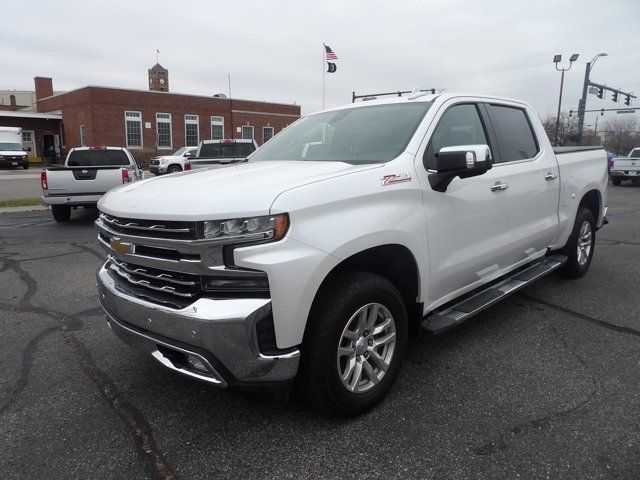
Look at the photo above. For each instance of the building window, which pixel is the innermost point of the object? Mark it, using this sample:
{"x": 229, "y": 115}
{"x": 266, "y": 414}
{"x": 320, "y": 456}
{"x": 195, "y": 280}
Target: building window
{"x": 133, "y": 125}
{"x": 163, "y": 127}
{"x": 191, "y": 127}
{"x": 83, "y": 136}
{"x": 267, "y": 133}
{"x": 217, "y": 128}
{"x": 247, "y": 132}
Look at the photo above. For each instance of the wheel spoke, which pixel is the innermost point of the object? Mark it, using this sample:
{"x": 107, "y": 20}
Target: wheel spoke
{"x": 378, "y": 360}
{"x": 362, "y": 321}
{"x": 372, "y": 316}
{"x": 346, "y": 351}
{"x": 348, "y": 334}
{"x": 349, "y": 370}
{"x": 370, "y": 373}
{"x": 355, "y": 378}
{"x": 384, "y": 340}
{"x": 382, "y": 327}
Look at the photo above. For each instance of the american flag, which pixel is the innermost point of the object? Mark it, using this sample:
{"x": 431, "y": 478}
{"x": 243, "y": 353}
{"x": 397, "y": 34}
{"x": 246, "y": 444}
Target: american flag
{"x": 329, "y": 55}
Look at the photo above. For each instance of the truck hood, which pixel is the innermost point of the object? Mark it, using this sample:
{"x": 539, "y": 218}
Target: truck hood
{"x": 233, "y": 191}
{"x": 12, "y": 153}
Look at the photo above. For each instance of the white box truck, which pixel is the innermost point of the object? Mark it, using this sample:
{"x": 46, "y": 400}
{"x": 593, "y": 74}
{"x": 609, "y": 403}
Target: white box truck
{"x": 12, "y": 153}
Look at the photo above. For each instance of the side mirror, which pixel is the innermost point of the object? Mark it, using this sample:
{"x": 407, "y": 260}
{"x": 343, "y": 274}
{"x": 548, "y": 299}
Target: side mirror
{"x": 462, "y": 161}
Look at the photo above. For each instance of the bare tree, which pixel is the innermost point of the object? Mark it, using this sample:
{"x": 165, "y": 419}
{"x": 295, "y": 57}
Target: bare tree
{"x": 622, "y": 134}
{"x": 568, "y": 125}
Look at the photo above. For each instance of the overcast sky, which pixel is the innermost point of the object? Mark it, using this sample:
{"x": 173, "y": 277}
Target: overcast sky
{"x": 273, "y": 49}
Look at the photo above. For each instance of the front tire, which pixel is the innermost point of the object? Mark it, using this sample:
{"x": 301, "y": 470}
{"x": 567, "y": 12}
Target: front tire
{"x": 61, "y": 213}
{"x": 174, "y": 169}
{"x": 354, "y": 344}
{"x": 580, "y": 246}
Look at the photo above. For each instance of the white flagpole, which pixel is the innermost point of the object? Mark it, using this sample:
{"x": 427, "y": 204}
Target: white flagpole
{"x": 324, "y": 53}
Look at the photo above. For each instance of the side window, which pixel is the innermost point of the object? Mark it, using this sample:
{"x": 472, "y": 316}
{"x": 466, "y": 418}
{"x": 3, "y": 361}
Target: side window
{"x": 211, "y": 150}
{"x": 459, "y": 125}
{"x": 515, "y": 137}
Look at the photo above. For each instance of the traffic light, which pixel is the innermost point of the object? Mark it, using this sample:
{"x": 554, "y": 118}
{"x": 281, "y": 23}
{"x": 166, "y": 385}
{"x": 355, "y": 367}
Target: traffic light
{"x": 602, "y": 111}
{"x": 627, "y": 101}
{"x": 600, "y": 93}
{"x": 615, "y": 97}
{"x": 570, "y": 113}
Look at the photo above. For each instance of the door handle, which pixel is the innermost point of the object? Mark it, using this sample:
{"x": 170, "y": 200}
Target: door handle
{"x": 498, "y": 186}
{"x": 550, "y": 176}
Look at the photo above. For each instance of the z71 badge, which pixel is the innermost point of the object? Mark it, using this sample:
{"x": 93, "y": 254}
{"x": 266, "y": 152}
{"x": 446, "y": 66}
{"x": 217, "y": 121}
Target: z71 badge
{"x": 395, "y": 178}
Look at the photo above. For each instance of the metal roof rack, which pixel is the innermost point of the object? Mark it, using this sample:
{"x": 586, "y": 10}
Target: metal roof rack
{"x": 399, "y": 93}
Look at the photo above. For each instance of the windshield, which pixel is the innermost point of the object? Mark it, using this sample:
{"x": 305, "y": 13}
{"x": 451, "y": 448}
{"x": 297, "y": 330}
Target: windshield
{"x": 11, "y": 147}
{"x": 635, "y": 153}
{"x": 179, "y": 152}
{"x": 97, "y": 158}
{"x": 360, "y": 135}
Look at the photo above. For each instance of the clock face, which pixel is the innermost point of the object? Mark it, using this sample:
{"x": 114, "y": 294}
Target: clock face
{"x": 162, "y": 81}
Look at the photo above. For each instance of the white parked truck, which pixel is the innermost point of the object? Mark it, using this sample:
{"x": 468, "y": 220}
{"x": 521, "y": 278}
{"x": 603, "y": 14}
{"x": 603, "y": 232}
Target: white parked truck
{"x": 178, "y": 161}
{"x": 87, "y": 174}
{"x": 12, "y": 153}
{"x": 351, "y": 230}
{"x": 625, "y": 168}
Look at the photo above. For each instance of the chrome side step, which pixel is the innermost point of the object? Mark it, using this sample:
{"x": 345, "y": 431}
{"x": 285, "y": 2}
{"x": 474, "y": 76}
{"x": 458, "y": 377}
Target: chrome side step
{"x": 451, "y": 316}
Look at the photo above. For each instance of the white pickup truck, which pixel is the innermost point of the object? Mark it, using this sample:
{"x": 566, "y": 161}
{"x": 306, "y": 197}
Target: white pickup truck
{"x": 625, "y": 168}
{"x": 351, "y": 230}
{"x": 87, "y": 174}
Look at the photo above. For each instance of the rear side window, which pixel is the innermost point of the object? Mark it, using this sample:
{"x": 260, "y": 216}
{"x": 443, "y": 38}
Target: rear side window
{"x": 244, "y": 149}
{"x": 516, "y": 140}
{"x": 97, "y": 158}
{"x": 210, "y": 150}
{"x": 635, "y": 153}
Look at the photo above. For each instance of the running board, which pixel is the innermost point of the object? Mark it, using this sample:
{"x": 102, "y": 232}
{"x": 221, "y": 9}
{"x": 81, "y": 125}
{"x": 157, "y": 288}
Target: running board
{"x": 452, "y": 316}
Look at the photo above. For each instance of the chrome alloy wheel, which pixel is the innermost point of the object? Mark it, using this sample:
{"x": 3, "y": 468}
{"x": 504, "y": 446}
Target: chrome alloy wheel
{"x": 585, "y": 237}
{"x": 366, "y": 347}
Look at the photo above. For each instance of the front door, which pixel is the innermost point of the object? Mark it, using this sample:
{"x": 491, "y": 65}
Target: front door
{"x": 467, "y": 229}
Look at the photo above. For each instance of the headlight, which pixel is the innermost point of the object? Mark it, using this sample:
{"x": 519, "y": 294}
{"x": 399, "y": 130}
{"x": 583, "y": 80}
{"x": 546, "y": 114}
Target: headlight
{"x": 242, "y": 230}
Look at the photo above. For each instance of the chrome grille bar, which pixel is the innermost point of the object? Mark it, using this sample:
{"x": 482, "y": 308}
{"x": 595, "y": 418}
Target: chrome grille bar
{"x": 135, "y": 226}
{"x": 166, "y": 277}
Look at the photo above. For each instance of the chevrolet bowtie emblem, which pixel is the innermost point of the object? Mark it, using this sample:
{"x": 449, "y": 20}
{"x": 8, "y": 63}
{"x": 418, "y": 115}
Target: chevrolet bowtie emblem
{"x": 120, "y": 246}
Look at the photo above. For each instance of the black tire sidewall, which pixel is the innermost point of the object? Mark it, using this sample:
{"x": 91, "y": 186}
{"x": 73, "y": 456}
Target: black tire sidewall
{"x": 61, "y": 213}
{"x": 616, "y": 181}
{"x": 174, "y": 169}
{"x": 328, "y": 322}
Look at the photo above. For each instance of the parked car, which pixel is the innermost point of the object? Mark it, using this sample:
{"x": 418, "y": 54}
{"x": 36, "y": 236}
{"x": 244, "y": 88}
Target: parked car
{"x": 342, "y": 236}
{"x": 176, "y": 162}
{"x": 87, "y": 174}
{"x": 12, "y": 153}
{"x": 215, "y": 153}
{"x": 625, "y": 168}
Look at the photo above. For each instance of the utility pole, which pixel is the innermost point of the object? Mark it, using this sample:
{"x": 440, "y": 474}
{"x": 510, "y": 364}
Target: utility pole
{"x": 582, "y": 103}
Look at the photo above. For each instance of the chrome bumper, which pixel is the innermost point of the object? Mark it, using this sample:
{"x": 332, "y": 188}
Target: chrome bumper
{"x": 217, "y": 335}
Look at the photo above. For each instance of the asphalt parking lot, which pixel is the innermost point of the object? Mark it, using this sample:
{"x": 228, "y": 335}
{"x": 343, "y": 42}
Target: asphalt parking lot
{"x": 544, "y": 385}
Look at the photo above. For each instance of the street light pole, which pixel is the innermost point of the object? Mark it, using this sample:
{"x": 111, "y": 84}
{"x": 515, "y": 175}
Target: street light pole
{"x": 557, "y": 59}
{"x": 582, "y": 103}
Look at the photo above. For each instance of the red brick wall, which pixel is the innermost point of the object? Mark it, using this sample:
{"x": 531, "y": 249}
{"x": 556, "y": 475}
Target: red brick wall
{"x": 101, "y": 110}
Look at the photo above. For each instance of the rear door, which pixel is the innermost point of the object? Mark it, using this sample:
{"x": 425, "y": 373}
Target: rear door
{"x": 530, "y": 171}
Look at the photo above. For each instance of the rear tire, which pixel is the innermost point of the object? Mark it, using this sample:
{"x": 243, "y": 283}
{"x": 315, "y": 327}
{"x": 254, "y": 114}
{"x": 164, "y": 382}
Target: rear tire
{"x": 174, "y": 169}
{"x": 354, "y": 344}
{"x": 580, "y": 246}
{"x": 616, "y": 181}
{"x": 61, "y": 213}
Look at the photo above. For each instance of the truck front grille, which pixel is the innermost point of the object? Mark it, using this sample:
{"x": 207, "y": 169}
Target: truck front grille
{"x": 159, "y": 286}
{"x": 152, "y": 228}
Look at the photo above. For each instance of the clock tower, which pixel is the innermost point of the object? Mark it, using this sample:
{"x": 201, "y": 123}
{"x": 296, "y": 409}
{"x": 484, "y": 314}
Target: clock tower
{"x": 158, "y": 78}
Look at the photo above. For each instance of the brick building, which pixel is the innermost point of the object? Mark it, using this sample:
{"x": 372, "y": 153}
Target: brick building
{"x": 157, "y": 121}
{"x": 39, "y": 130}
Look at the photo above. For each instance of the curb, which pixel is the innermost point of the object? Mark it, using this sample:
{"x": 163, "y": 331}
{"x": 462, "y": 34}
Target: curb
{"x": 24, "y": 208}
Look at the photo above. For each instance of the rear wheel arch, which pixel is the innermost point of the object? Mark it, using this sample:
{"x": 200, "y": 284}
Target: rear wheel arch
{"x": 592, "y": 200}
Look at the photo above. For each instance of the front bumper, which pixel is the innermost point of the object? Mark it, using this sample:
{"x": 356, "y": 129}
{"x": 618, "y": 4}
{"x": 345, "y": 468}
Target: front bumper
{"x": 157, "y": 169}
{"x": 221, "y": 334}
